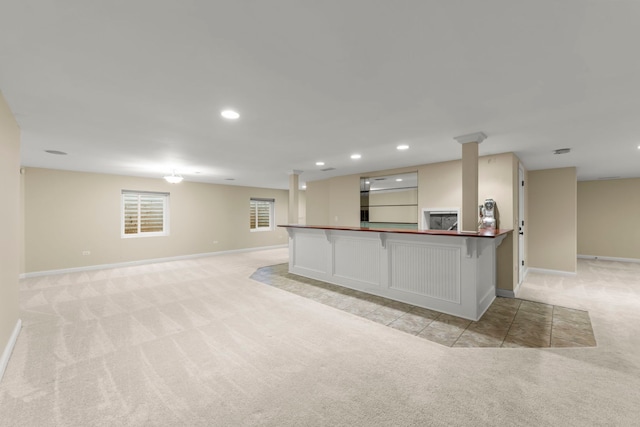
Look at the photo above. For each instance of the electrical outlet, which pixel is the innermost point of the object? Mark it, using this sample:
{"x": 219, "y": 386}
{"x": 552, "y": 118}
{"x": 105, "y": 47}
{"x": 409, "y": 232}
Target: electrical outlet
{"x": 85, "y": 253}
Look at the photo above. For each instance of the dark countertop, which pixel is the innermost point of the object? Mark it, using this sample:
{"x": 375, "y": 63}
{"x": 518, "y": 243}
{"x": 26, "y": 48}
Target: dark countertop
{"x": 481, "y": 233}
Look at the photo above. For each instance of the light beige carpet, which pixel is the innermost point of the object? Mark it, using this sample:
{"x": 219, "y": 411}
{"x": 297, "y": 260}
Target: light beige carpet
{"x": 197, "y": 343}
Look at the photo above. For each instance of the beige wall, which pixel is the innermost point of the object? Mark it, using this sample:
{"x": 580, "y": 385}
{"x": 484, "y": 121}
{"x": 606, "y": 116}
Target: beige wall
{"x": 10, "y": 232}
{"x": 498, "y": 179}
{"x": 302, "y": 207}
{"x": 347, "y": 190}
{"x": 394, "y": 197}
{"x": 393, "y": 206}
{"x": 606, "y": 214}
{"x": 318, "y": 200}
{"x": 393, "y": 214}
{"x": 67, "y": 213}
{"x": 334, "y": 201}
{"x": 439, "y": 186}
{"x": 552, "y": 219}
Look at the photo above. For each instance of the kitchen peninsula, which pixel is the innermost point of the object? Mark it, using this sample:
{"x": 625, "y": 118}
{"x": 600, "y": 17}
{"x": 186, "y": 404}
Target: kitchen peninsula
{"x": 446, "y": 271}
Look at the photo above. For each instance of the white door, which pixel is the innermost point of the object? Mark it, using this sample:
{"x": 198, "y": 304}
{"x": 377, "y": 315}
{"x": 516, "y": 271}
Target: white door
{"x": 520, "y": 224}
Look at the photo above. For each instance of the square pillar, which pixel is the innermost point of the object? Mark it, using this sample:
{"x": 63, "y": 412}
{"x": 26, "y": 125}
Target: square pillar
{"x": 293, "y": 196}
{"x": 469, "y": 210}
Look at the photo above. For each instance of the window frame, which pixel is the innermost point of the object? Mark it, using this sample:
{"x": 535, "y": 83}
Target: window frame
{"x": 139, "y": 233}
{"x": 272, "y": 210}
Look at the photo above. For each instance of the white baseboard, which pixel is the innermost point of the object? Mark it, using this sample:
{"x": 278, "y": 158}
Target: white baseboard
{"x": 144, "y": 261}
{"x": 6, "y": 354}
{"x": 608, "y": 258}
{"x": 507, "y": 293}
{"x": 504, "y": 293}
{"x": 554, "y": 272}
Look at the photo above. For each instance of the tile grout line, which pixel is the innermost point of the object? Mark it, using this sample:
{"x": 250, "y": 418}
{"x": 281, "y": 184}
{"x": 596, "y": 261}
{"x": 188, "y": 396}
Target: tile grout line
{"x": 553, "y": 313}
{"x": 510, "y": 325}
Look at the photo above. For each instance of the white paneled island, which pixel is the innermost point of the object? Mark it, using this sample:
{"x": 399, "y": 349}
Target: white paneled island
{"x": 445, "y": 271}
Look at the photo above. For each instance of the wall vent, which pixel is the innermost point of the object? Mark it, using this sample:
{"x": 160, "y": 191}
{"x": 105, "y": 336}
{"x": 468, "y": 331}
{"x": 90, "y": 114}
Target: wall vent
{"x": 562, "y": 151}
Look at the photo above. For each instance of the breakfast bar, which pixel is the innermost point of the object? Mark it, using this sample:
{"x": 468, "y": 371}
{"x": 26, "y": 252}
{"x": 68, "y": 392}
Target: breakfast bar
{"x": 446, "y": 271}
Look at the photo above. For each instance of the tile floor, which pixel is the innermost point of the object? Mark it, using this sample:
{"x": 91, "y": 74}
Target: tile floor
{"x": 508, "y": 322}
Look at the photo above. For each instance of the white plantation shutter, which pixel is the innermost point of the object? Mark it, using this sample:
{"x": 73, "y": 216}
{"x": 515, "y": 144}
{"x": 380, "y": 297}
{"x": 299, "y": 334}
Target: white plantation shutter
{"x": 261, "y": 214}
{"x": 144, "y": 214}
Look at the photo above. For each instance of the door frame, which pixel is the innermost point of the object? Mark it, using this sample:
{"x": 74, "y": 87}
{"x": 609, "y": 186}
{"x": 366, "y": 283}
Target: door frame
{"x": 522, "y": 268}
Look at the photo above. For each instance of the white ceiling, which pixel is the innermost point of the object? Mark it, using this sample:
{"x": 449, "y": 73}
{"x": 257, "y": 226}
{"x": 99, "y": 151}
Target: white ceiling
{"x": 136, "y": 87}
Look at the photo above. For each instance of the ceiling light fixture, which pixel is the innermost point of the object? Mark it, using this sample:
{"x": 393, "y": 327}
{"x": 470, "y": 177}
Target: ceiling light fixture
{"x": 319, "y": 163}
{"x": 402, "y": 147}
{"x": 230, "y": 114}
{"x": 398, "y": 179}
{"x": 356, "y": 156}
{"x": 173, "y": 178}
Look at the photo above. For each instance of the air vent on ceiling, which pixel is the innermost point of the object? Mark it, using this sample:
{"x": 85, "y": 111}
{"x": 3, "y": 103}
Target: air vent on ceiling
{"x": 562, "y": 151}
{"x": 327, "y": 169}
{"x": 379, "y": 179}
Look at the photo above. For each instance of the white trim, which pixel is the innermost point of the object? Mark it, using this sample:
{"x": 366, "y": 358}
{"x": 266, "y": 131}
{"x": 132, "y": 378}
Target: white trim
{"x": 272, "y": 210}
{"x": 6, "y": 354}
{"x": 166, "y": 220}
{"x": 554, "y": 272}
{"x": 145, "y": 261}
{"x": 506, "y": 293}
{"x": 608, "y": 258}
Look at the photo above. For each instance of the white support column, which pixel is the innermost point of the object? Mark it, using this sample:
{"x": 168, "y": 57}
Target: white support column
{"x": 469, "y": 211}
{"x": 293, "y": 196}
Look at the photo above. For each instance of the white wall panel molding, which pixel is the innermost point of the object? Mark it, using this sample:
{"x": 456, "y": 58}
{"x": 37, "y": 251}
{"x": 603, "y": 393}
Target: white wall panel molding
{"x": 454, "y": 274}
{"x": 430, "y": 270}
{"x": 310, "y": 252}
{"x": 357, "y": 259}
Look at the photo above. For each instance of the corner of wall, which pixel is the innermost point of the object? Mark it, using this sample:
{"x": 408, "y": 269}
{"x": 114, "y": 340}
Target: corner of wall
{"x": 11, "y": 243}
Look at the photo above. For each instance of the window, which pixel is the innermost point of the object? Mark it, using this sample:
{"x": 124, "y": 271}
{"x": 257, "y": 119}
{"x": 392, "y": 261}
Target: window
{"x": 261, "y": 214}
{"x": 145, "y": 214}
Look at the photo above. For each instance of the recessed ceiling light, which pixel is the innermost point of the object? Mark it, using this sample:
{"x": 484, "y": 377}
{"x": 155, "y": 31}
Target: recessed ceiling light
{"x": 230, "y": 114}
{"x": 402, "y": 147}
{"x": 638, "y": 147}
{"x": 398, "y": 179}
{"x": 304, "y": 187}
{"x": 355, "y": 156}
{"x": 56, "y": 152}
{"x": 319, "y": 163}
{"x": 367, "y": 182}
